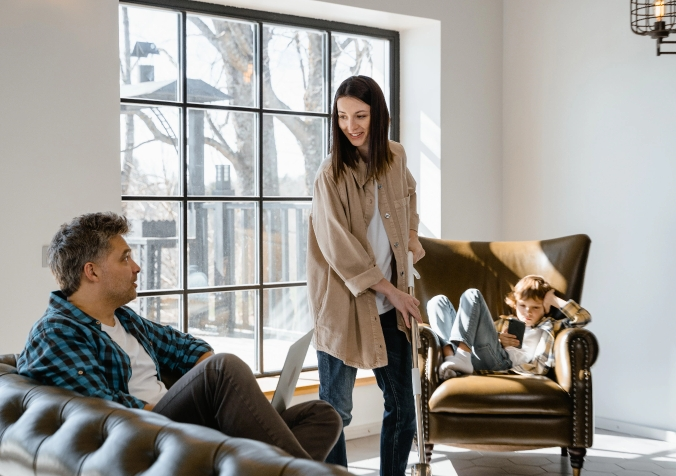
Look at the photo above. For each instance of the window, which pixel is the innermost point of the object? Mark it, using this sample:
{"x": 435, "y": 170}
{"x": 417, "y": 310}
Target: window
{"x": 224, "y": 120}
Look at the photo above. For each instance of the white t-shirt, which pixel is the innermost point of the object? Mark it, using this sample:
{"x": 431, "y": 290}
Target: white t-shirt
{"x": 143, "y": 383}
{"x": 524, "y": 355}
{"x": 380, "y": 244}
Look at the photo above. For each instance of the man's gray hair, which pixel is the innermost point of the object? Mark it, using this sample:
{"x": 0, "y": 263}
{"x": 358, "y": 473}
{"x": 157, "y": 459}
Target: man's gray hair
{"x": 86, "y": 238}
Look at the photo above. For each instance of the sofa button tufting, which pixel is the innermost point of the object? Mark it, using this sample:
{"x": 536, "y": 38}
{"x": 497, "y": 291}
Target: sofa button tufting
{"x": 80, "y": 372}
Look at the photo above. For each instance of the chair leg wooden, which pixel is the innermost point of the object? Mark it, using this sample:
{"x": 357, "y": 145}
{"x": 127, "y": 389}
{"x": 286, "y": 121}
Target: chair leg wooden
{"x": 428, "y": 452}
{"x": 564, "y": 451}
{"x": 577, "y": 459}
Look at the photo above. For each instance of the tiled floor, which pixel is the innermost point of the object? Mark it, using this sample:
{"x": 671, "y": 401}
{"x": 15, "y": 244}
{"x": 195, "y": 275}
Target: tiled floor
{"x": 613, "y": 454}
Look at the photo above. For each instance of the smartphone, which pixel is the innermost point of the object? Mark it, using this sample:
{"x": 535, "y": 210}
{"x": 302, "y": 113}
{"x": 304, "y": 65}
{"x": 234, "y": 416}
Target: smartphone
{"x": 517, "y": 328}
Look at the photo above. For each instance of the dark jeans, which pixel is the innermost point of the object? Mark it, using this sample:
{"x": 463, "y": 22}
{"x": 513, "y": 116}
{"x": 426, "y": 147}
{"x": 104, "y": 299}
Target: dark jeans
{"x": 222, "y": 393}
{"x": 336, "y": 381}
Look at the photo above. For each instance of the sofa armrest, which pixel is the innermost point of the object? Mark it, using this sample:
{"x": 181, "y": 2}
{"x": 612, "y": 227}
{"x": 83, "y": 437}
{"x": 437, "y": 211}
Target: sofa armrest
{"x": 9, "y": 359}
{"x": 576, "y": 350}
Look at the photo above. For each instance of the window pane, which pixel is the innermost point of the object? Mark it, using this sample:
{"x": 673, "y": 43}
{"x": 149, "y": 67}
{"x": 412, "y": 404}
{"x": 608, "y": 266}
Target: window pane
{"x": 226, "y": 320}
{"x": 360, "y": 55}
{"x": 285, "y": 240}
{"x": 165, "y": 310}
{"x": 221, "y": 153}
{"x": 154, "y": 242}
{"x": 293, "y": 149}
{"x": 149, "y": 56}
{"x": 221, "y": 244}
{"x": 285, "y": 319}
{"x": 221, "y": 61}
{"x": 293, "y": 69}
{"x": 149, "y": 150}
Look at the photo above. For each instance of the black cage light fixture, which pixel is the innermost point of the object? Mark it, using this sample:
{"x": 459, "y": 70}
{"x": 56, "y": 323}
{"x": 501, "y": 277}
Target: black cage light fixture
{"x": 656, "y": 19}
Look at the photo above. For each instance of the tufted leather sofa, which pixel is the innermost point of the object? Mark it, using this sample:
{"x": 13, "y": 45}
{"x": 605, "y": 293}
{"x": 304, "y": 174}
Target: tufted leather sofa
{"x": 508, "y": 412}
{"x": 52, "y": 431}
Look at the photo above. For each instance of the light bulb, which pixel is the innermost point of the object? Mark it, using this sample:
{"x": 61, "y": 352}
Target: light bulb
{"x": 659, "y": 9}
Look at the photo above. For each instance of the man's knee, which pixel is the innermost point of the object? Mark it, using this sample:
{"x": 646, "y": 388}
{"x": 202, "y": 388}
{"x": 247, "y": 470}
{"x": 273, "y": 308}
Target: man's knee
{"x": 229, "y": 363}
{"x": 327, "y": 412}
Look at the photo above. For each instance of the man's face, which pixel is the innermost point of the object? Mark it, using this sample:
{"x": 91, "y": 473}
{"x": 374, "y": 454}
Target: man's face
{"x": 529, "y": 311}
{"x": 118, "y": 273}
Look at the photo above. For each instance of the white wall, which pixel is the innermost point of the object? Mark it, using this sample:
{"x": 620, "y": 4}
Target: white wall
{"x": 589, "y": 147}
{"x": 59, "y": 139}
{"x": 451, "y": 96}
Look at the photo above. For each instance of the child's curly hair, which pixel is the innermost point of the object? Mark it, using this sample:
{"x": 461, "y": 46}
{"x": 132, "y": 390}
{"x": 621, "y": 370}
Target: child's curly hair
{"x": 528, "y": 287}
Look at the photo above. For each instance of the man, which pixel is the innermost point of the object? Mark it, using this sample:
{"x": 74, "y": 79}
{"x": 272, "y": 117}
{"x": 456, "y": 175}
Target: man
{"x": 90, "y": 342}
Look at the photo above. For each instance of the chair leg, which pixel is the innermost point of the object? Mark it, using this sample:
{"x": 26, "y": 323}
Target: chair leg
{"x": 577, "y": 459}
{"x": 428, "y": 452}
{"x": 564, "y": 451}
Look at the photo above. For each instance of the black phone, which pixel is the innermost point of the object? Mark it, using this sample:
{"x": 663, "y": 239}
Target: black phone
{"x": 517, "y": 328}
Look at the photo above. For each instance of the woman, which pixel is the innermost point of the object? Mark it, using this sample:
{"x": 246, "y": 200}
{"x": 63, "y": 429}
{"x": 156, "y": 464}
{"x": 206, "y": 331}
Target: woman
{"x": 363, "y": 223}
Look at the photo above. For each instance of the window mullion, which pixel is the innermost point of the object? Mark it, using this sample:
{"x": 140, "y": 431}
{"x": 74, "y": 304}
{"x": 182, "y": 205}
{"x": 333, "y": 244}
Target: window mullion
{"x": 259, "y": 315}
{"x": 184, "y": 175}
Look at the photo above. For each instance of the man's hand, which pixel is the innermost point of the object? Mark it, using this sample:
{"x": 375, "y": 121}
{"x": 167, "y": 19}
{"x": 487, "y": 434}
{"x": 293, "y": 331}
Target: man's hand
{"x": 204, "y": 356}
{"x": 405, "y": 303}
{"x": 149, "y": 407}
{"x": 415, "y": 246}
{"x": 508, "y": 340}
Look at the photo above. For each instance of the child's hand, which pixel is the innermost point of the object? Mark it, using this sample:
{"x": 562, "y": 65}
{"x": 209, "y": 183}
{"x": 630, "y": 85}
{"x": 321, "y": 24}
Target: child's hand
{"x": 508, "y": 340}
{"x": 551, "y": 300}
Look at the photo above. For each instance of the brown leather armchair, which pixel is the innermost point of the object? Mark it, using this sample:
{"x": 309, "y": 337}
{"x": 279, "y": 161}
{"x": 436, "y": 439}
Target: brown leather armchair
{"x": 508, "y": 412}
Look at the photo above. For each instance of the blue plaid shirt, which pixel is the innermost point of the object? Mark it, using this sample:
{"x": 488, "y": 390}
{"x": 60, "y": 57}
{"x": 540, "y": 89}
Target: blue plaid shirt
{"x": 67, "y": 348}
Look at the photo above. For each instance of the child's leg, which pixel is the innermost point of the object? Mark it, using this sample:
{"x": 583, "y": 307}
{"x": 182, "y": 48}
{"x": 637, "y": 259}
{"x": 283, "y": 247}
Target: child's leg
{"x": 474, "y": 327}
{"x": 442, "y": 315}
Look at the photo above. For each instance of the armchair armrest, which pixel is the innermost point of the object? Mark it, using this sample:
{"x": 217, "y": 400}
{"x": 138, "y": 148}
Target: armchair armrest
{"x": 431, "y": 353}
{"x": 575, "y": 351}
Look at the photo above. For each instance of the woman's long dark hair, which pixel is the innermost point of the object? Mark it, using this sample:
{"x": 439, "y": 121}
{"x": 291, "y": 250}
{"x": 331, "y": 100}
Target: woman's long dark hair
{"x": 343, "y": 153}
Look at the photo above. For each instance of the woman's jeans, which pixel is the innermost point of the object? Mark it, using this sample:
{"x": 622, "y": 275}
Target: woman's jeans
{"x": 336, "y": 381}
{"x": 473, "y": 325}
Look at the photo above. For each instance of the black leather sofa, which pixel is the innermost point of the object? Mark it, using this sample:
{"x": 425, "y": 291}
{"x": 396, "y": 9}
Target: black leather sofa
{"x": 52, "y": 431}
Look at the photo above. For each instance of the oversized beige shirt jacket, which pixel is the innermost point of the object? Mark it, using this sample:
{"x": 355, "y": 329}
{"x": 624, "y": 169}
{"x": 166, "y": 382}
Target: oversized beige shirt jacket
{"x": 341, "y": 265}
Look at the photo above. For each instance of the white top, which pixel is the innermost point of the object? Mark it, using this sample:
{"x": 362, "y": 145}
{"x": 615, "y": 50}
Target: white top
{"x": 143, "y": 383}
{"x": 380, "y": 244}
{"x": 524, "y": 355}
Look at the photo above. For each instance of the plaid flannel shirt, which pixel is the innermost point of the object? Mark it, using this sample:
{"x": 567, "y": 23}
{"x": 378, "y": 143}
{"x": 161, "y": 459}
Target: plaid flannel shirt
{"x": 572, "y": 315}
{"x": 67, "y": 348}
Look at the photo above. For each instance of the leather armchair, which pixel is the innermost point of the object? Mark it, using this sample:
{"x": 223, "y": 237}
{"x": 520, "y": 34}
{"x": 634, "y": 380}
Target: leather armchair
{"x": 52, "y": 431}
{"x": 508, "y": 412}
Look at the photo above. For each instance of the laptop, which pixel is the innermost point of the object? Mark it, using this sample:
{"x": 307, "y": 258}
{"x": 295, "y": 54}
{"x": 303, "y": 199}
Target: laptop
{"x": 290, "y": 373}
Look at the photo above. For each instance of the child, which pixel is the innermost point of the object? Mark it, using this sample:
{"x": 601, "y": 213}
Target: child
{"x": 473, "y": 341}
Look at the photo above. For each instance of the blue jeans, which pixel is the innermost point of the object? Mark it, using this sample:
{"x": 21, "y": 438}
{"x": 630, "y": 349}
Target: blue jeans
{"x": 473, "y": 325}
{"x": 336, "y": 381}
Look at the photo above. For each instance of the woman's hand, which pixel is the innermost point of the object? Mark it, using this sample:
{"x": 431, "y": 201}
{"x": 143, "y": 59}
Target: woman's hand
{"x": 404, "y": 302}
{"x": 415, "y": 246}
{"x": 508, "y": 340}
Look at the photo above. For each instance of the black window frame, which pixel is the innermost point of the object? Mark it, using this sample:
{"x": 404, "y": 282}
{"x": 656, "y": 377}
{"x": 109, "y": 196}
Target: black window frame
{"x": 185, "y": 7}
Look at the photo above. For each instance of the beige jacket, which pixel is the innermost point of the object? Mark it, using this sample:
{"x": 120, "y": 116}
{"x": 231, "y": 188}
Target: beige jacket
{"x": 341, "y": 266}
